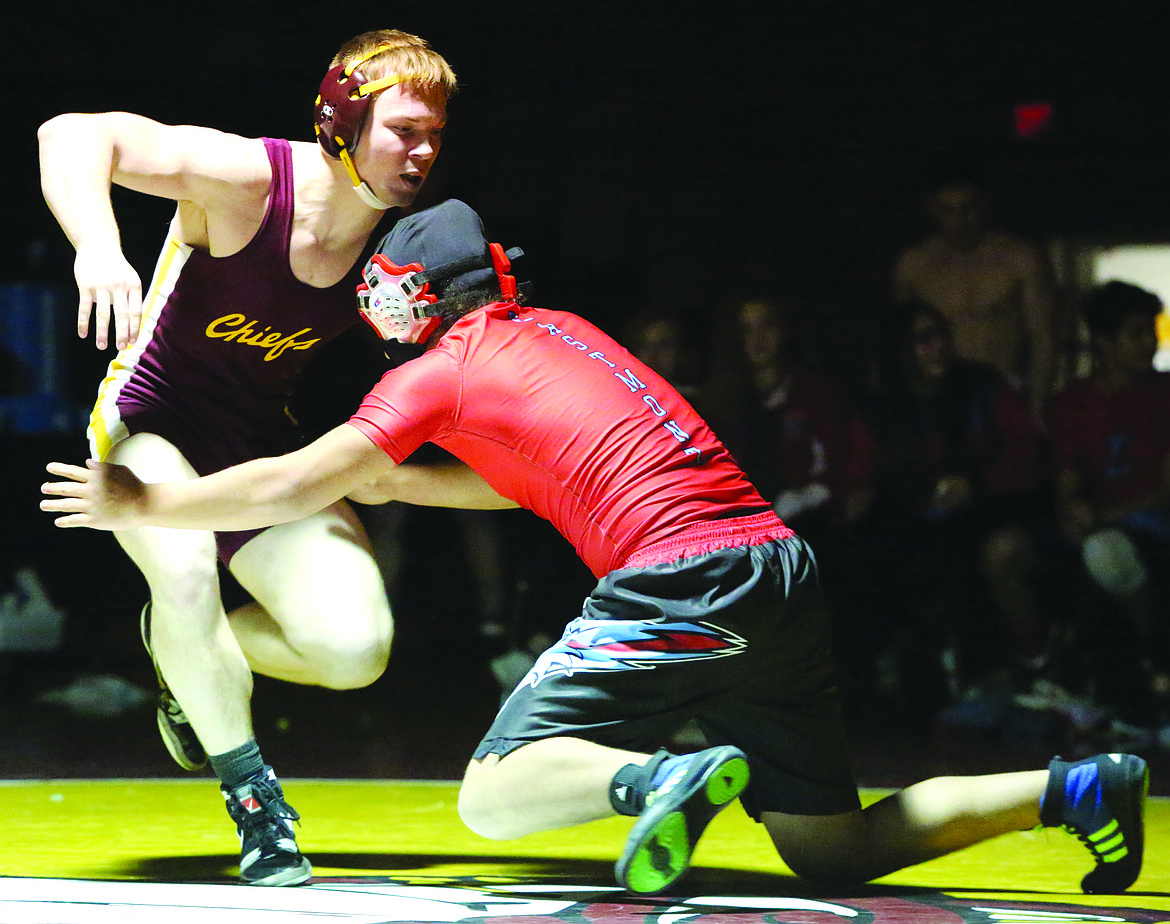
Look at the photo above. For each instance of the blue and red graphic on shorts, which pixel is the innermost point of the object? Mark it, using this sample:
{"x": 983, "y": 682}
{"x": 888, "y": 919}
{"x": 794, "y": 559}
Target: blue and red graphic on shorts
{"x": 631, "y": 644}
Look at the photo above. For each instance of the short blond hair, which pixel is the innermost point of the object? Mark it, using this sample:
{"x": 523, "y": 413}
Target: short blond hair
{"x": 390, "y": 52}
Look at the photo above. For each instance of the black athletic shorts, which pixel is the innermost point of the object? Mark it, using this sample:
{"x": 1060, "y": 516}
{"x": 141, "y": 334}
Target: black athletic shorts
{"x": 737, "y": 640}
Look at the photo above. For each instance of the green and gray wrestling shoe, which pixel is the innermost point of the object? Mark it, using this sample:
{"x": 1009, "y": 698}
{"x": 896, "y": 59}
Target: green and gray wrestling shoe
{"x": 694, "y": 788}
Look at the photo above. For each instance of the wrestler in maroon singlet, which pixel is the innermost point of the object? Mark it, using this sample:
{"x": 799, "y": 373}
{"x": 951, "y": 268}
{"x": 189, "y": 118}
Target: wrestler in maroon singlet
{"x": 222, "y": 340}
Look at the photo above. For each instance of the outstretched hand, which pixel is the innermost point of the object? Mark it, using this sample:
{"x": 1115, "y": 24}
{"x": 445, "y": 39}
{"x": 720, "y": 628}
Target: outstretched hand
{"x": 100, "y": 495}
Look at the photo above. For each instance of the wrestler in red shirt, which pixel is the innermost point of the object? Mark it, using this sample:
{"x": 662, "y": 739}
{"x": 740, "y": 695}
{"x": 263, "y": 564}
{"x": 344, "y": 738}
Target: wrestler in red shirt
{"x": 707, "y": 608}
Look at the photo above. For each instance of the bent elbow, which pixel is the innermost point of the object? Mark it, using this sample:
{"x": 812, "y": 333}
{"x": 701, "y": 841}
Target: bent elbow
{"x": 62, "y": 126}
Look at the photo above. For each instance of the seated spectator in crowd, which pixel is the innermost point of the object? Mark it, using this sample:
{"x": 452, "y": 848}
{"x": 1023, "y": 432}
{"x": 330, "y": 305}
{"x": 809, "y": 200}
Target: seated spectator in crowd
{"x": 1111, "y": 439}
{"x": 789, "y": 427}
{"x": 792, "y": 430}
{"x": 958, "y": 494}
{"x": 659, "y": 339}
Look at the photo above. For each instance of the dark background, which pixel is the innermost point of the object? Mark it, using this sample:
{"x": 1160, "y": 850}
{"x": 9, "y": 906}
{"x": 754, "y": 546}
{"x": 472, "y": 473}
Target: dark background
{"x": 642, "y": 154}
{"x": 650, "y": 151}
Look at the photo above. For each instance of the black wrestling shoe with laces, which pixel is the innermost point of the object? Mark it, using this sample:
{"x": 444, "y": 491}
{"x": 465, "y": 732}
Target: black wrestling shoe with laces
{"x": 1102, "y": 801}
{"x": 177, "y": 733}
{"x": 268, "y": 849}
{"x": 677, "y": 812}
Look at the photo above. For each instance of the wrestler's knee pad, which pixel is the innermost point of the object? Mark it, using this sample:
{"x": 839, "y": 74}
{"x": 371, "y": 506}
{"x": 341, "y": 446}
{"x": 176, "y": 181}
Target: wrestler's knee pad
{"x": 1112, "y": 560}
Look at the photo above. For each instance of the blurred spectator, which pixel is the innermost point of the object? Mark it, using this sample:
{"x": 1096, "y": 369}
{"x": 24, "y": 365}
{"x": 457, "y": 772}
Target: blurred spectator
{"x": 806, "y": 449}
{"x": 957, "y": 503}
{"x": 1111, "y": 435}
{"x": 996, "y": 290}
{"x": 660, "y": 340}
{"x": 789, "y": 427}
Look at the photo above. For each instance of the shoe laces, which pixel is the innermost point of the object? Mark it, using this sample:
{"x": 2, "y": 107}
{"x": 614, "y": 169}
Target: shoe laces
{"x": 171, "y": 707}
{"x": 671, "y": 781}
{"x": 273, "y": 810}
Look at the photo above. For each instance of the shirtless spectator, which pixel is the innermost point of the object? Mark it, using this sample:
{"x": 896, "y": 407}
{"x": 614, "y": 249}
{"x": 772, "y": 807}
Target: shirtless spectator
{"x": 994, "y": 289}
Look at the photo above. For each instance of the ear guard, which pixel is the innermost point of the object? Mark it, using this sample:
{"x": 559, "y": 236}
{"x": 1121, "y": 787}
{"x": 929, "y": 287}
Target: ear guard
{"x": 393, "y": 303}
{"x": 343, "y": 102}
{"x": 398, "y": 303}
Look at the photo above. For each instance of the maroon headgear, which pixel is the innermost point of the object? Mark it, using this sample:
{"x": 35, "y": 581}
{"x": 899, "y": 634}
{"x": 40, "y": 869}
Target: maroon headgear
{"x": 342, "y": 104}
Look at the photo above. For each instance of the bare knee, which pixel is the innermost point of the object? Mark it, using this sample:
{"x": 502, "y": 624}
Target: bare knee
{"x": 185, "y": 605}
{"x": 479, "y": 808}
{"x": 346, "y": 660}
{"x": 483, "y": 805}
{"x": 180, "y": 566}
{"x": 474, "y": 812}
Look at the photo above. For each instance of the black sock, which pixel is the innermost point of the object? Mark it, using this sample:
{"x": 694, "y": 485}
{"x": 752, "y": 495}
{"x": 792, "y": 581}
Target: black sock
{"x": 238, "y": 765}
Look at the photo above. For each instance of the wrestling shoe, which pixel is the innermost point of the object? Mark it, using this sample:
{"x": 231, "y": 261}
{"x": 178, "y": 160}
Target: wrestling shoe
{"x": 1101, "y": 800}
{"x": 677, "y": 812}
{"x": 268, "y": 850}
{"x": 177, "y": 733}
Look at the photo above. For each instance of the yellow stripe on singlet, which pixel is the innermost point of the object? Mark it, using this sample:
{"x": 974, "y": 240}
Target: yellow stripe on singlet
{"x": 105, "y": 423}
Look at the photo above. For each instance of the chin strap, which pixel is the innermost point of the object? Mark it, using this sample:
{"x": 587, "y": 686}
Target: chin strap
{"x": 359, "y": 185}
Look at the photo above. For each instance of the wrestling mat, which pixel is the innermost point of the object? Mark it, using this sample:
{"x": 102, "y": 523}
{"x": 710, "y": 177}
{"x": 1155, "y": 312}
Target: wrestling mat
{"x": 100, "y": 852}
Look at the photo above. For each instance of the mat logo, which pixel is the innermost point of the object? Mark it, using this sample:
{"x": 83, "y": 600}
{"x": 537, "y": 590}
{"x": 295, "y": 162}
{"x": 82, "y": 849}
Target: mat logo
{"x": 518, "y": 903}
{"x": 630, "y": 644}
{"x": 380, "y": 900}
{"x": 546, "y": 904}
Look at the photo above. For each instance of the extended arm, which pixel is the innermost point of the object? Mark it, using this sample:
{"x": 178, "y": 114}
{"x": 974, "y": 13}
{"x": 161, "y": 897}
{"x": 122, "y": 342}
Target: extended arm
{"x": 257, "y": 493}
{"x": 447, "y": 484}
